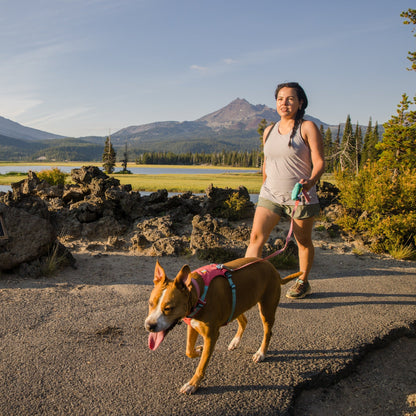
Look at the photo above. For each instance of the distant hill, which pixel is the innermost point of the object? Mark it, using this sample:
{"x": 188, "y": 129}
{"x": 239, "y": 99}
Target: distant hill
{"x": 16, "y": 149}
{"x": 15, "y": 130}
{"x": 52, "y": 149}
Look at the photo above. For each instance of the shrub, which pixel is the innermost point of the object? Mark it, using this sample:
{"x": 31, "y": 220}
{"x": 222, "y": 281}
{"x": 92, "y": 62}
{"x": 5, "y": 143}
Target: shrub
{"x": 380, "y": 205}
{"x": 234, "y": 207}
{"x": 52, "y": 176}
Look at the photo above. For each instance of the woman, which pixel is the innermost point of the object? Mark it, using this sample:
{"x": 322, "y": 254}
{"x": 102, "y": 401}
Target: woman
{"x": 293, "y": 152}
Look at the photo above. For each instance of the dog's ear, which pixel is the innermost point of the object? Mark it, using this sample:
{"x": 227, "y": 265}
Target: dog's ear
{"x": 160, "y": 275}
{"x": 182, "y": 276}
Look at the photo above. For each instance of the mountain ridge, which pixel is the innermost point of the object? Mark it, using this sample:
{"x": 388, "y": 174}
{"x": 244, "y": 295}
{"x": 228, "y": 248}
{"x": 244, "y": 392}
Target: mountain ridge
{"x": 239, "y": 117}
{"x": 231, "y": 128}
{"x": 15, "y": 130}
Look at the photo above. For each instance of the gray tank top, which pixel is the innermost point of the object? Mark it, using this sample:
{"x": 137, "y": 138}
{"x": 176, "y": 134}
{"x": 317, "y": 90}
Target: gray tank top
{"x": 285, "y": 166}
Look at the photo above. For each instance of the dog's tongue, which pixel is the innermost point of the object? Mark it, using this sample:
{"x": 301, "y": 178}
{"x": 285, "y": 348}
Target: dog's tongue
{"x": 155, "y": 338}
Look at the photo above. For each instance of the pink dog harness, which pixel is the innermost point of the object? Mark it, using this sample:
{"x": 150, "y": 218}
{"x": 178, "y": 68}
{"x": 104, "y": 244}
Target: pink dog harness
{"x": 208, "y": 273}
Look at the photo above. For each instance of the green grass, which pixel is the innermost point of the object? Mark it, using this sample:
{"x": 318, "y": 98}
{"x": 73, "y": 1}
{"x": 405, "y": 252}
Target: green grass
{"x": 196, "y": 183}
{"x": 12, "y": 177}
{"x": 402, "y": 252}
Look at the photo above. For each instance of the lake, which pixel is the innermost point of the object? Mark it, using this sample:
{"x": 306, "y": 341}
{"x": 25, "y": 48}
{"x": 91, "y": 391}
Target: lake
{"x": 136, "y": 170}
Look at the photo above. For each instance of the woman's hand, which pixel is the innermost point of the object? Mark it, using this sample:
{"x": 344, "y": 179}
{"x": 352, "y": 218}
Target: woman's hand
{"x": 307, "y": 184}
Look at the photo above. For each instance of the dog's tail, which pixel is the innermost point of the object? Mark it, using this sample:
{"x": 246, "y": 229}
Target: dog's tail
{"x": 290, "y": 277}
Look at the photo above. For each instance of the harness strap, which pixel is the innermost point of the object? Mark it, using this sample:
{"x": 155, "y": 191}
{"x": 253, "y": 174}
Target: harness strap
{"x": 228, "y": 275}
{"x": 207, "y": 276}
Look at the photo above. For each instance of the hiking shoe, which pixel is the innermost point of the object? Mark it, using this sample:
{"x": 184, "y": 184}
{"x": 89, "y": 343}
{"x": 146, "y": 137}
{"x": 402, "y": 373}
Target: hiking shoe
{"x": 299, "y": 290}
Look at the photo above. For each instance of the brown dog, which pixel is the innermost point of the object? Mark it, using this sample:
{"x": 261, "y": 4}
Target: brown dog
{"x": 171, "y": 301}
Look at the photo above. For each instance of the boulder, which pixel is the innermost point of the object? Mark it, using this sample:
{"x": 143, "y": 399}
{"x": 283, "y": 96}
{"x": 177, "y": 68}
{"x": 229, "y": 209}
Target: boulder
{"x": 233, "y": 204}
{"x": 216, "y": 240}
{"x": 86, "y": 174}
{"x": 28, "y": 237}
{"x": 72, "y": 193}
{"x": 170, "y": 246}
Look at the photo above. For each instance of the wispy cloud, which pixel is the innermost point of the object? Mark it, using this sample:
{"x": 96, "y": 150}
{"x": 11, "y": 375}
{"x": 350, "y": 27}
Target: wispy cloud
{"x": 63, "y": 115}
{"x": 13, "y": 106}
{"x": 219, "y": 67}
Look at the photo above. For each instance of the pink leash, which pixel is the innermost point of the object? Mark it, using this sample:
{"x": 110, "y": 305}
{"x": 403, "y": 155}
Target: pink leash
{"x": 289, "y": 234}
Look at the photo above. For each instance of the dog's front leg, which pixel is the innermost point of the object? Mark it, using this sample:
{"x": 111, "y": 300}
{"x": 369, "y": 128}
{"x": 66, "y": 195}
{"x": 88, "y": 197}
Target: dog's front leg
{"x": 209, "y": 344}
{"x": 191, "y": 337}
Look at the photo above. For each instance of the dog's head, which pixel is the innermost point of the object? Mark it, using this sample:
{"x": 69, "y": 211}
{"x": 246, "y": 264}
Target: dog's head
{"x": 168, "y": 303}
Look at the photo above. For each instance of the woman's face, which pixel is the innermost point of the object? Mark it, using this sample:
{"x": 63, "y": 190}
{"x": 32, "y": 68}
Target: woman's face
{"x": 287, "y": 102}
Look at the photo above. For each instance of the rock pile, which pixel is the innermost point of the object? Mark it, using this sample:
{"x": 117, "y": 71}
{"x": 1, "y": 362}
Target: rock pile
{"x": 98, "y": 210}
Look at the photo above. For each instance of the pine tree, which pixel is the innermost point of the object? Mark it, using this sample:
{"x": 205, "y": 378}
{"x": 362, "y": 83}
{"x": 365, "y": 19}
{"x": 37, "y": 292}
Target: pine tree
{"x": 321, "y": 130}
{"x": 124, "y": 161}
{"x": 410, "y": 14}
{"x": 347, "y": 153}
{"x": 337, "y": 148}
{"x": 366, "y": 144}
{"x": 358, "y": 146}
{"x": 109, "y": 156}
{"x": 328, "y": 150}
{"x": 373, "y": 152}
{"x": 398, "y": 147}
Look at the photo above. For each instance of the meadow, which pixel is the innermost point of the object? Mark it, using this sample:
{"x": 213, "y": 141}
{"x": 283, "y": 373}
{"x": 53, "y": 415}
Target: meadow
{"x": 196, "y": 183}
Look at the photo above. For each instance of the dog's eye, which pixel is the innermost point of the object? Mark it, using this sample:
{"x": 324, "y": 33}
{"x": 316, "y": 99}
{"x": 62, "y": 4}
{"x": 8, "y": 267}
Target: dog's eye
{"x": 151, "y": 304}
{"x": 167, "y": 309}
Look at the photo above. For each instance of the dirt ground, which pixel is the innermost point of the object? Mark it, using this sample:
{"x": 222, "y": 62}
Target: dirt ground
{"x": 376, "y": 387}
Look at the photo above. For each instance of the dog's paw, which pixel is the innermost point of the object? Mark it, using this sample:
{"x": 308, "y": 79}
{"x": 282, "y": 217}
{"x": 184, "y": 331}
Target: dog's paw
{"x": 259, "y": 356}
{"x": 235, "y": 342}
{"x": 188, "y": 388}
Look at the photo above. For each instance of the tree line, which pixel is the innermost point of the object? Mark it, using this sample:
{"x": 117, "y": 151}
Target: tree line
{"x": 350, "y": 148}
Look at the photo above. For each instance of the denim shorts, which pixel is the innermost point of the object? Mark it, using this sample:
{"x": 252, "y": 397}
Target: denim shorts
{"x": 302, "y": 212}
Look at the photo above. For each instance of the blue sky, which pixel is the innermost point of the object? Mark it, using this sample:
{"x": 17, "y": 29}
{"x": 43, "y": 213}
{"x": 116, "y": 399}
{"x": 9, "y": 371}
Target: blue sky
{"x": 90, "y": 67}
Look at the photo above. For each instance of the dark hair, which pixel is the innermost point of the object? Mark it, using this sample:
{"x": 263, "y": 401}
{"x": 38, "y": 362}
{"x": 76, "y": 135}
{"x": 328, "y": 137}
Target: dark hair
{"x": 301, "y": 97}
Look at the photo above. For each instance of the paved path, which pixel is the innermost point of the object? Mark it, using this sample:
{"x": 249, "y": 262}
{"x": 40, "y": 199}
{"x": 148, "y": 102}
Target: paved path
{"x": 69, "y": 347}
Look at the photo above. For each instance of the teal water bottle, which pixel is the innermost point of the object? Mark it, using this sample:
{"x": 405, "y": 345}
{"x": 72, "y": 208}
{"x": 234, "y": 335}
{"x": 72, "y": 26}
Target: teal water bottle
{"x": 296, "y": 191}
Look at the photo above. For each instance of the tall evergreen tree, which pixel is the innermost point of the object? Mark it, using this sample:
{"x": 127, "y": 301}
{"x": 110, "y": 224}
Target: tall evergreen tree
{"x": 366, "y": 144}
{"x": 328, "y": 150}
{"x": 398, "y": 147}
{"x": 410, "y": 15}
{"x": 109, "y": 156}
{"x": 347, "y": 151}
{"x": 358, "y": 146}
{"x": 337, "y": 148}
{"x": 321, "y": 130}
{"x": 373, "y": 151}
{"x": 260, "y": 130}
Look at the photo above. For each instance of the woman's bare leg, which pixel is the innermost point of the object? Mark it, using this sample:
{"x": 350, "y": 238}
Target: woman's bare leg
{"x": 302, "y": 230}
{"x": 263, "y": 223}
